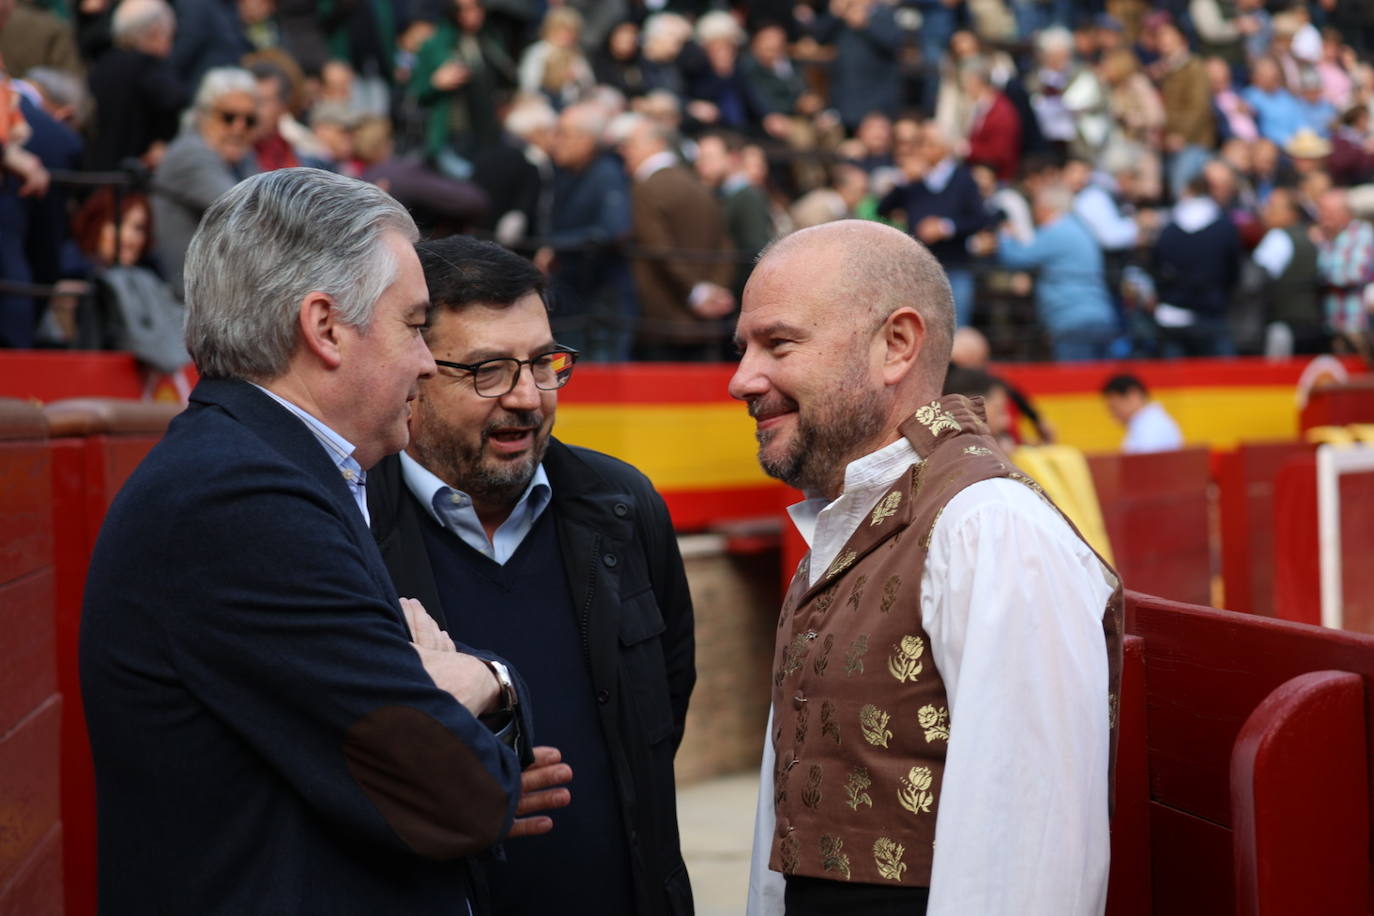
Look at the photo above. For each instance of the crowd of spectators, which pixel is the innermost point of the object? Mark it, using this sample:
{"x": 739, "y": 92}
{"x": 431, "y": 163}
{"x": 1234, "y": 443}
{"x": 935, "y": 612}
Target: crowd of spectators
{"x": 1192, "y": 177}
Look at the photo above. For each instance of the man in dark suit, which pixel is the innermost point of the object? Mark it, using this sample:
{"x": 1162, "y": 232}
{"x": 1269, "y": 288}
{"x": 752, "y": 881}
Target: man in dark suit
{"x": 684, "y": 262}
{"x": 562, "y": 559}
{"x": 269, "y": 734}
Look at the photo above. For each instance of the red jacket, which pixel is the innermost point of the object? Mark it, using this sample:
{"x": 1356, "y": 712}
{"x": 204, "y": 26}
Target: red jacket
{"x": 995, "y": 138}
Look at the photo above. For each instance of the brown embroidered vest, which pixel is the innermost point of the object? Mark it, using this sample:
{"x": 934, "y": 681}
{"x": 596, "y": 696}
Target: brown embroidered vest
{"x": 860, "y": 716}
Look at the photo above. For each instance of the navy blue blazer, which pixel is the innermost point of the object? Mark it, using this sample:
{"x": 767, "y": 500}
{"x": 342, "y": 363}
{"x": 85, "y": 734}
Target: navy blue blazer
{"x": 265, "y": 738}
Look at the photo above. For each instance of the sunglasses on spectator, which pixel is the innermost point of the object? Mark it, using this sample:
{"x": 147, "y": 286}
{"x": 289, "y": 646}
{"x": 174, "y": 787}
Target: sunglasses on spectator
{"x": 249, "y": 119}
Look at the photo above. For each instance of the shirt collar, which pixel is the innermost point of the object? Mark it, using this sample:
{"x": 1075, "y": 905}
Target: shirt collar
{"x": 339, "y": 448}
{"x": 655, "y": 164}
{"x": 864, "y": 478}
{"x": 939, "y": 176}
{"x": 431, "y": 491}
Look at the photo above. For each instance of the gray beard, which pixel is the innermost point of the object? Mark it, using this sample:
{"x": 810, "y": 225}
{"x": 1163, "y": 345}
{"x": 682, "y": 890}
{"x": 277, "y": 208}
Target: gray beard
{"x": 829, "y": 436}
{"x": 452, "y": 460}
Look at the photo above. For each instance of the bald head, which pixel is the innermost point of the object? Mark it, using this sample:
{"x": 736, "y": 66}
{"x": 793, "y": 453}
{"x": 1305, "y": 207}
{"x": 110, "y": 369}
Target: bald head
{"x": 880, "y": 270}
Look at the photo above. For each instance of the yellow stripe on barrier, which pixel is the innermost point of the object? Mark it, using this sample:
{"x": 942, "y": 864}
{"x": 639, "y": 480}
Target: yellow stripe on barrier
{"x": 1338, "y": 436}
{"x": 1063, "y": 472}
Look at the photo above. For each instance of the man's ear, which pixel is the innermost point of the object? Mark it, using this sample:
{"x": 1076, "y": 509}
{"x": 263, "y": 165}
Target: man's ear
{"x": 904, "y": 337}
{"x": 320, "y": 326}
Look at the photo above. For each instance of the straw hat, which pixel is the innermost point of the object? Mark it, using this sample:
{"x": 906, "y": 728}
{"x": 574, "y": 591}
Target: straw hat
{"x": 1305, "y": 144}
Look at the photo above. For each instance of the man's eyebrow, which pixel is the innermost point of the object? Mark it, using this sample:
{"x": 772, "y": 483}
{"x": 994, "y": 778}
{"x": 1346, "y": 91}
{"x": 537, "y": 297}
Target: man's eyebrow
{"x": 476, "y": 356}
{"x": 780, "y": 329}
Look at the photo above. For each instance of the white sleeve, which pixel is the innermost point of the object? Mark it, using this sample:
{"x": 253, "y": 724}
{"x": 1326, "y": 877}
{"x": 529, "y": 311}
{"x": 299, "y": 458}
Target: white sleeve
{"x": 1013, "y": 603}
{"x": 1274, "y": 252}
{"x": 1112, "y": 230}
{"x": 765, "y": 886}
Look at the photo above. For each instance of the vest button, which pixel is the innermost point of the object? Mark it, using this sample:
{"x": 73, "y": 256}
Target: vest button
{"x": 621, "y": 510}
{"x": 610, "y": 560}
{"x": 603, "y": 696}
{"x": 797, "y": 701}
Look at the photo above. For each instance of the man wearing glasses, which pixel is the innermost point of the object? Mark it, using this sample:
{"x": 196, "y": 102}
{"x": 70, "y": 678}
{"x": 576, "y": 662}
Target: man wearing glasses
{"x": 562, "y": 560}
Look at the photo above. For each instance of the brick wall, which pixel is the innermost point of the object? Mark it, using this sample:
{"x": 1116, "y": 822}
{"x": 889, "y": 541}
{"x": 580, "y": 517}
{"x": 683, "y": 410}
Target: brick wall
{"x": 736, "y": 601}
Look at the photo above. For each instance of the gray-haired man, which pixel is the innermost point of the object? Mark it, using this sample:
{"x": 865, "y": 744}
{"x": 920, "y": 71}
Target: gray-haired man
{"x": 274, "y": 731}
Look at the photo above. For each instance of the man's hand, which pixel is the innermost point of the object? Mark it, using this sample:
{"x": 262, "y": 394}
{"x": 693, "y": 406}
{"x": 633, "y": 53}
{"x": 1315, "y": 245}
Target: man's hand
{"x": 717, "y": 303}
{"x": 541, "y": 790}
{"x": 450, "y": 76}
{"x": 932, "y": 229}
{"x": 466, "y": 677}
{"x": 33, "y": 177}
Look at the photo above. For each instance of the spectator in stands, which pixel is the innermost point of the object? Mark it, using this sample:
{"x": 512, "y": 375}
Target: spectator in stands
{"x": 1049, "y": 81}
{"x": 1276, "y": 110}
{"x": 683, "y": 268}
{"x": 970, "y": 351}
{"x": 1149, "y": 428}
{"x": 129, "y": 306}
{"x": 35, "y": 36}
{"x": 461, "y": 76}
{"x": 1352, "y": 147}
{"x": 1345, "y": 264}
{"x": 555, "y": 65}
{"x": 1219, "y": 30}
{"x": 942, "y": 208}
{"x": 666, "y": 35}
{"x": 1070, "y": 291}
{"x": 589, "y": 278}
{"x": 1196, "y": 265}
{"x": 209, "y": 34}
{"x": 976, "y": 383}
{"x": 1189, "y": 129}
{"x": 63, "y": 96}
{"x": 1315, "y": 113}
{"x": 748, "y": 220}
{"x": 517, "y": 173}
{"x": 22, "y": 176}
{"x": 1289, "y": 260}
{"x": 777, "y": 92}
{"x": 718, "y": 93}
{"x": 1094, "y": 204}
{"x": 619, "y": 64}
{"x": 994, "y": 136}
{"x": 213, "y": 152}
{"x": 138, "y": 95}
{"x": 1235, "y": 118}
{"x": 866, "y": 75}
{"x": 271, "y": 147}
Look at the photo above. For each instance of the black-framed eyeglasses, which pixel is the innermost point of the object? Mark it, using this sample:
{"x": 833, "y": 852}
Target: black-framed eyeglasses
{"x": 494, "y": 378}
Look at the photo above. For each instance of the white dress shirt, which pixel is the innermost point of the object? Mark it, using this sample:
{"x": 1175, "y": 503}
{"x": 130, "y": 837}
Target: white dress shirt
{"x": 1013, "y": 603}
{"x": 1151, "y": 429}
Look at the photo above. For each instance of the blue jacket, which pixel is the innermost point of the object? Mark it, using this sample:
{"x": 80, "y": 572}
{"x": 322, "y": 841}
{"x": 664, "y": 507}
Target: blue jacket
{"x": 866, "y": 75}
{"x": 265, "y": 738}
{"x": 1070, "y": 289}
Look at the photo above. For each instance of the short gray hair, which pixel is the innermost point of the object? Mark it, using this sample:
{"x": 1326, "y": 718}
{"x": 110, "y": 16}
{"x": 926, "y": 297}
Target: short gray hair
{"x": 133, "y": 19}
{"x": 267, "y": 243}
{"x": 529, "y": 113}
{"x": 217, "y": 82}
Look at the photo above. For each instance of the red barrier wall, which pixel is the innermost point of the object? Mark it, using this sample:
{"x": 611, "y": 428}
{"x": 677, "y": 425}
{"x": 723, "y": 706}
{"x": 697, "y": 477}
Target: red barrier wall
{"x": 1339, "y": 405}
{"x": 1246, "y": 482}
{"x": 96, "y": 445}
{"x": 30, "y": 707}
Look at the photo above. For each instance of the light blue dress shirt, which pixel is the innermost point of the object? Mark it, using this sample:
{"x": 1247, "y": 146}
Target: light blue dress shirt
{"x": 339, "y": 449}
{"x": 453, "y": 510}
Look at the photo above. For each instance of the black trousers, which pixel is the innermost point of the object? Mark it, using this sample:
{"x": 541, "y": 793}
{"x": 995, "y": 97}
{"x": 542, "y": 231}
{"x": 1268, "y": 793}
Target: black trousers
{"x": 820, "y": 897}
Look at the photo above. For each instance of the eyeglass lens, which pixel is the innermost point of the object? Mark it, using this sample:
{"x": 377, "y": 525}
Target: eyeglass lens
{"x": 495, "y": 377}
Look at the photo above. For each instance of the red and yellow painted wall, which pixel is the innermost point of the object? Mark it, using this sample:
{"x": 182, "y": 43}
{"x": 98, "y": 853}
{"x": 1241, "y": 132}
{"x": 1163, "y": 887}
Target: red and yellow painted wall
{"x": 678, "y": 424}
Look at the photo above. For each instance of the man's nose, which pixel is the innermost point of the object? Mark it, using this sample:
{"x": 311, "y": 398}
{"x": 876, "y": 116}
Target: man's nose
{"x": 748, "y": 381}
{"x": 525, "y": 395}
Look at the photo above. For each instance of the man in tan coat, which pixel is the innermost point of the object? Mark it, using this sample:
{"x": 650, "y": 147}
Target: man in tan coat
{"x": 949, "y": 652}
{"x": 1189, "y": 127}
{"x": 683, "y": 261}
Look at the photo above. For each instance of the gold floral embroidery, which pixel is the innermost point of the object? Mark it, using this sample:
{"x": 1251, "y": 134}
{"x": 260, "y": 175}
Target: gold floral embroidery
{"x": 915, "y": 794}
{"x": 890, "y": 593}
{"x": 794, "y": 656}
{"x": 977, "y": 450}
{"x": 842, "y": 562}
{"x": 823, "y": 657}
{"x": 833, "y": 857}
{"x": 887, "y": 508}
{"x": 936, "y": 419}
{"x": 788, "y": 851}
{"x": 780, "y": 785}
{"x": 854, "y": 788}
{"x": 1022, "y": 478}
{"x": 935, "y": 722}
{"x": 873, "y": 721}
{"x": 887, "y": 854}
{"x": 823, "y": 601}
{"x": 930, "y": 532}
{"x": 905, "y": 664}
{"x": 811, "y": 795}
{"x": 803, "y": 715}
{"x": 829, "y": 726}
{"x": 857, "y": 594}
{"x": 1113, "y": 709}
{"x": 854, "y": 658}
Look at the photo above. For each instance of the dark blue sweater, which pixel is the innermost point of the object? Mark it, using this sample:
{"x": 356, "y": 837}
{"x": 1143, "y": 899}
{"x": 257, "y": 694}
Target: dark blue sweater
{"x": 526, "y": 607}
{"x": 958, "y": 201}
{"x": 1198, "y": 270}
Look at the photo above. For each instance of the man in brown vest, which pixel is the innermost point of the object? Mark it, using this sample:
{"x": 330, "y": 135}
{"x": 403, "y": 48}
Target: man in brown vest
{"x": 948, "y": 655}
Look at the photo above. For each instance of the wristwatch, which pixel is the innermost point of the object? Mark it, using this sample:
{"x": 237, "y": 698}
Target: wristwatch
{"x": 505, "y": 684}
